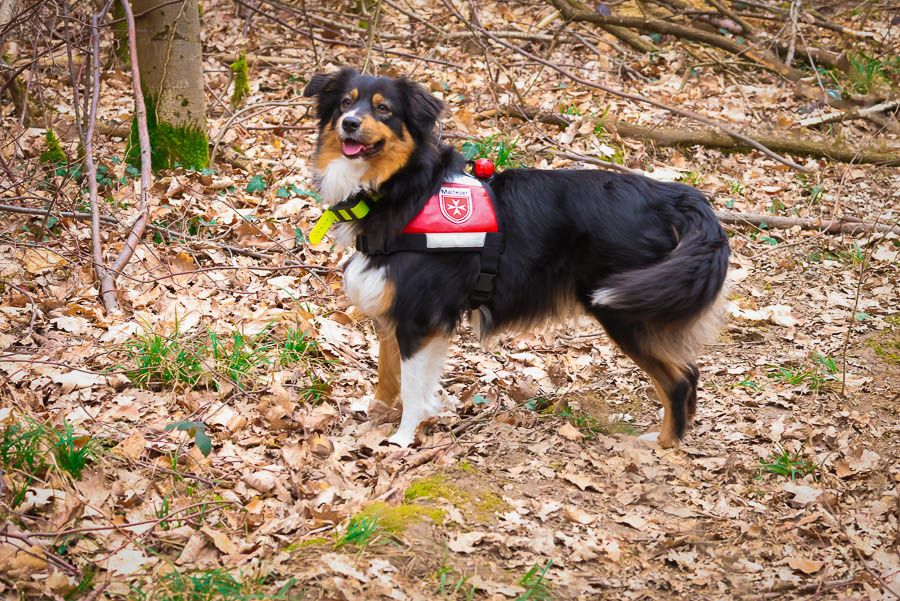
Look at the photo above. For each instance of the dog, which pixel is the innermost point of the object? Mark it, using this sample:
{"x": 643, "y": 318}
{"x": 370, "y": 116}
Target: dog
{"x": 647, "y": 259}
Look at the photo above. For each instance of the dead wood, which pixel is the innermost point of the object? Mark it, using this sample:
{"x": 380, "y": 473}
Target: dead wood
{"x": 834, "y": 226}
{"x": 736, "y": 135}
{"x": 689, "y": 136}
{"x": 763, "y": 58}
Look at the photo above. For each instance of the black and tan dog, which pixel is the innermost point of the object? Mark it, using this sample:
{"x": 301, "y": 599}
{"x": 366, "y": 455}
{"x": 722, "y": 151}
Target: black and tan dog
{"x": 646, "y": 259}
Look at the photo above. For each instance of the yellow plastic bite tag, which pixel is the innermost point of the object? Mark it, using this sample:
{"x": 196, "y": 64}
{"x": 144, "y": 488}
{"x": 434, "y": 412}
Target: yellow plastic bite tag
{"x": 322, "y": 226}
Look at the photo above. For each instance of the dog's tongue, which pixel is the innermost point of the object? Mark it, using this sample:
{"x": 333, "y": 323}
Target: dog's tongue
{"x": 352, "y": 148}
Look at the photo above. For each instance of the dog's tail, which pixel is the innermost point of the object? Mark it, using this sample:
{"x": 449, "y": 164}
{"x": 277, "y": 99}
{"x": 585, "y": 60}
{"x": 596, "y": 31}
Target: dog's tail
{"x": 684, "y": 284}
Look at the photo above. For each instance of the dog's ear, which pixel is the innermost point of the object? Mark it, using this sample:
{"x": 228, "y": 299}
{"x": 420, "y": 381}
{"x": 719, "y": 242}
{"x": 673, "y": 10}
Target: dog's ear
{"x": 423, "y": 108}
{"x": 326, "y": 88}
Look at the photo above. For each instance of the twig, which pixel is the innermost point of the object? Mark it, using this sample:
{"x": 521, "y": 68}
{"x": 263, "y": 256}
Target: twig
{"x": 30, "y": 301}
{"x": 835, "y": 226}
{"x": 237, "y": 250}
{"x": 261, "y": 107}
{"x": 140, "y": 116}
{"x": 858, "y": 113}
{"x": 373, "y": 24}
{"x": 635, "y": 97}
{"x": 762, "y": 58}
{"x": 104, "y": 276}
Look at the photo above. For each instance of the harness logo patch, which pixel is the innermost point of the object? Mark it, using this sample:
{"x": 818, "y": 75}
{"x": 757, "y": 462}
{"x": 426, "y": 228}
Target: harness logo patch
{"x": 456, "y": 203}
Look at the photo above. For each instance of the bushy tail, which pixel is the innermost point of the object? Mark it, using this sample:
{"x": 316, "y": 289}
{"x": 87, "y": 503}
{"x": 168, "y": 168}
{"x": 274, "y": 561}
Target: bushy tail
{"x": 683, "y": 284}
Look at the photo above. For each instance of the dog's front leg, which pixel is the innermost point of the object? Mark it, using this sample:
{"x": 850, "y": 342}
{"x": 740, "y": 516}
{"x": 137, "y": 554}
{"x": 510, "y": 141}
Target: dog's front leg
{"x": 388, "y": 389}
{"x": 420, "y": 379}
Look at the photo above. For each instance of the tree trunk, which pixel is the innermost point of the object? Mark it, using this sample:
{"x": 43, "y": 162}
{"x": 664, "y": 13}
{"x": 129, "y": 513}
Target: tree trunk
{"x": 171, "y": 65}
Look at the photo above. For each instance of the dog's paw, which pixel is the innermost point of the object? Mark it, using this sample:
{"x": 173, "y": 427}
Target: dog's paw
{"x": 402, "y": 439}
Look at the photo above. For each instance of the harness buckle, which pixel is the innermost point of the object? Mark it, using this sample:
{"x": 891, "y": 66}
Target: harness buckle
{"x": 484, "y": 287}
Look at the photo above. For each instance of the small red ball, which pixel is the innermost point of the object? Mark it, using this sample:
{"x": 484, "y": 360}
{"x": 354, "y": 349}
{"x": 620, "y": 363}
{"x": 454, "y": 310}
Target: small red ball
{"x": 484, "y": 168}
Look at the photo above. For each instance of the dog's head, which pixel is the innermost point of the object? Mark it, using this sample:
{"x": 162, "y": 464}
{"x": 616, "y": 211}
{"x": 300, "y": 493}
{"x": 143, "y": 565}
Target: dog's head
{"x": 375, "y": 121}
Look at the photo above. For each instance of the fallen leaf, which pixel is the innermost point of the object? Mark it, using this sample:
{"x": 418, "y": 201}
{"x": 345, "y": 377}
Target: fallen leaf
{"x": 807, "y": 566}
{"x": 127, "y": 561}
{"x": 220, "y": 540}
{"x": 570, "y": 432}
{"x": 581, "y": 481}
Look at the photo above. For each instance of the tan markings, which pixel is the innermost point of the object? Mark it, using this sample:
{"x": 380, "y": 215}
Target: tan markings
{"x": 354, "y": 94}
{"x": 377, "y": 99}
{"x": 393, "y": 157}
{"x": 328, "y": 148}
{"x": 388, "y": 389}
{"x": 667, "y": 438}
{"x": 386, "y": 300}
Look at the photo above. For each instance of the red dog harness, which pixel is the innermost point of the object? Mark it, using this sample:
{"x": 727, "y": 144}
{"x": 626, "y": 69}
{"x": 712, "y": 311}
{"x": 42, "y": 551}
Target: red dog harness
{"x": 459, "y": 218}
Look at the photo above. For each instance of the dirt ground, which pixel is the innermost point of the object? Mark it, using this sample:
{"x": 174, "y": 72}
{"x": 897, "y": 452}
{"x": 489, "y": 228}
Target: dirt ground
{"x": 536, "y": 483}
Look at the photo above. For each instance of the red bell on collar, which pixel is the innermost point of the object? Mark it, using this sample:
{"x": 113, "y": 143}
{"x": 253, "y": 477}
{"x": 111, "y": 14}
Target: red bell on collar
{"x": 484, "y": 168}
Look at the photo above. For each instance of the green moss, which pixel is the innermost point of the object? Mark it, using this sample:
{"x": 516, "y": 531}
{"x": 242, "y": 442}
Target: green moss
{"x": 395, "y": 518}
{"x": 465, "y": 466}
{"x": 310, "y": 542}
{"x": 241, "y": 80}
{"x": 169, "y": 144}
{"x": 54, "y": 154}
{"x": 478, "y": 504}
{"x": 887, "y": 348}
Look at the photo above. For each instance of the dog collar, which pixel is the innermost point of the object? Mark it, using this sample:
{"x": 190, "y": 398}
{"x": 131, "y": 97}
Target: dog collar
{"x": 353, "y": 209}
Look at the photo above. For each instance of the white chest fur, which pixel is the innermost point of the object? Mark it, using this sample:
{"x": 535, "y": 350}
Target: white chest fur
{"x": 366, "y": 286}
{"x": 340, "y": 179}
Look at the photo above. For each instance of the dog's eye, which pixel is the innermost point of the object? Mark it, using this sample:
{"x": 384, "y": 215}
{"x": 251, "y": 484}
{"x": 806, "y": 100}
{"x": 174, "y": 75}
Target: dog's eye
{"x": 383, "y": 109}
{"x": 346, "y": 102}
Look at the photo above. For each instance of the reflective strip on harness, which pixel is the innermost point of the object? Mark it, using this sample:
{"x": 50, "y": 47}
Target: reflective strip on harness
{"x": 448, "y": 240}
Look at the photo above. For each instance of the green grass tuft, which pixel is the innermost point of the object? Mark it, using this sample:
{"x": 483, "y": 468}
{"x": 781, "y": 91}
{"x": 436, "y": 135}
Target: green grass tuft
{"x": 784, "y": 463}
{"x": 165, "y": 361}
{"x": 361, "y": 531}
{"x": 73, "y": 452}
{"x": 536, "y": 587}
{"x": 239, "y": 356}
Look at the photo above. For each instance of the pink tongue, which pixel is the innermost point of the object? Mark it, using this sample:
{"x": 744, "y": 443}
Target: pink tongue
{"x": 352, "y": 148}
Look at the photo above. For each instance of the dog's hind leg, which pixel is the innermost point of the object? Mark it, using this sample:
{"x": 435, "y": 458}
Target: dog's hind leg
{"x": 420, "y": 378}
{"x": 673, "y": 377}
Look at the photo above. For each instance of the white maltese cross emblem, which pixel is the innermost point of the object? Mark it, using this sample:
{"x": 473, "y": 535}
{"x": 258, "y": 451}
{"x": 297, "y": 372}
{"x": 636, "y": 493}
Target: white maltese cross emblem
{"x": 456, "y": 203}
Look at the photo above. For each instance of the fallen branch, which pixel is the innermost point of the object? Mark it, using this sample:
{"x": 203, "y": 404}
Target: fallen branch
{"x": 737, "y": 136}
{"x": 686, "y": 136}
{"x": 765, "y": 59}
{"x": 237, "y": 250}
{"x": 872, "y": 113}
{"x": 835, "y": 226}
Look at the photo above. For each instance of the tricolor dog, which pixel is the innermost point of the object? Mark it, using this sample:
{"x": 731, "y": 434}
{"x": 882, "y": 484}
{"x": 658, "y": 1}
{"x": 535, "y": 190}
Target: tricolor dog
{"x": 647, "y": 259}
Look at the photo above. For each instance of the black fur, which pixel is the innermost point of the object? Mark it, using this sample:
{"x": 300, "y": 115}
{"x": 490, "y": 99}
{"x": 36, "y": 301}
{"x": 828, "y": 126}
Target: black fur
{"x": 567, "y": 234}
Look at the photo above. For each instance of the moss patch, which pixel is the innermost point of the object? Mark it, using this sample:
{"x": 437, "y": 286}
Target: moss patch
{"x": 395, "y": 518}
{"x": 887, "y": 347}
{"x": 477, "y": 504}
{"x": 54, "y": 153}
{"x": 169, "y": 144}
{"x": 310, "y": 542}
{"x": 241, "y": 80}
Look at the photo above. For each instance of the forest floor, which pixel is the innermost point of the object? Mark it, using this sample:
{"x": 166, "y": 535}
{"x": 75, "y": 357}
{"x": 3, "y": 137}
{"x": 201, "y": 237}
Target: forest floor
{"x": 536, "y": 484}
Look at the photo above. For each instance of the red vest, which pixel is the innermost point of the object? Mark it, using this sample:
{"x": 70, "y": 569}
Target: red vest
{"x": 458, "y": 216}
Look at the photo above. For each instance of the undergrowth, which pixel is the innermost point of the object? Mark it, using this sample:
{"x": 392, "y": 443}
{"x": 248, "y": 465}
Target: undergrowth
{"x": 211, "y": 360}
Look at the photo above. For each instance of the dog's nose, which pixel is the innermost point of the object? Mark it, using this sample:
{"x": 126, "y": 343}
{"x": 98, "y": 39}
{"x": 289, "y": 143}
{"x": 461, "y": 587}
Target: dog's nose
{"x": 350, "y": 124}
